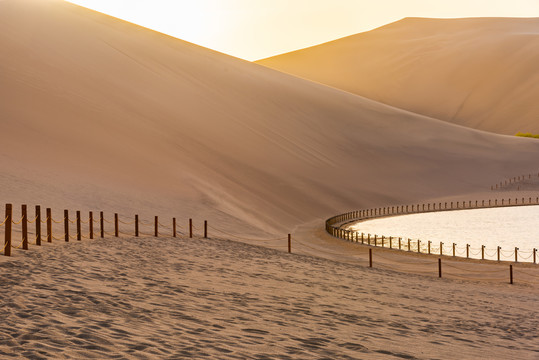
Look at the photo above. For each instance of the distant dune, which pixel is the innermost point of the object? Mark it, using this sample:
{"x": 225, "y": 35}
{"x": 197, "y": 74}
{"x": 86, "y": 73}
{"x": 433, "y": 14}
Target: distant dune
{"x": 98, "y": 113}
{"x": 477, "y": 72}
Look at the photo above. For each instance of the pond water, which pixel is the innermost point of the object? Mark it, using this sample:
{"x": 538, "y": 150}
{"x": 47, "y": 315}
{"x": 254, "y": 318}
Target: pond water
{"x": 507, "y": 227}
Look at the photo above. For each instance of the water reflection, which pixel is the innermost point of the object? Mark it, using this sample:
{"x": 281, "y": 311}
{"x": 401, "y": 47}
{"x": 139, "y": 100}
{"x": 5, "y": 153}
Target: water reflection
{"x": 506, "y": 227}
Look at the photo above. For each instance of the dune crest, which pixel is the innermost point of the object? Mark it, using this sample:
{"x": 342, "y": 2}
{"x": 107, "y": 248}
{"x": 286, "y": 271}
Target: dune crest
{"x": 477, "y": 72}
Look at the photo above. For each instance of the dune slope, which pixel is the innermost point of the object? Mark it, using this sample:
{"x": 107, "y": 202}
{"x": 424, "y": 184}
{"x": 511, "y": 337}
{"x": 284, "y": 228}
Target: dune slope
{"x": 101, "y": 114}
{"x": 478, "y": 72}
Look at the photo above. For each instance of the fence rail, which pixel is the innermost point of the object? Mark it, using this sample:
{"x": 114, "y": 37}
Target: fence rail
{"x": 335, "y": 227}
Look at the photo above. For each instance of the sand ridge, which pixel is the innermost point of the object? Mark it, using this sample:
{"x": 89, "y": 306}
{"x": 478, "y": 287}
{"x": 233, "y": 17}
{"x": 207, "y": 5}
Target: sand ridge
{"x": 476, "y": 72}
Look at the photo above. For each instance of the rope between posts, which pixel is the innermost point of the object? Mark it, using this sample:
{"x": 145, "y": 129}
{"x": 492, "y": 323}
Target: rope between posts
{"x": 20, "y": 245}
{"x": 17, "y": 222}
{"x": 57, "y": 222}
{"x": 524, "y": 257}
{"x": 58, "y": 238}
{"x": 243, "y": 238}
{"x": 126, "y": 222}
{"x": 33, "y": 221}
{"x": 5, "y": 220}
{"x": 473, "y": 253}
{"x": 5, "y": 246}
{"x": 493, "y": 254}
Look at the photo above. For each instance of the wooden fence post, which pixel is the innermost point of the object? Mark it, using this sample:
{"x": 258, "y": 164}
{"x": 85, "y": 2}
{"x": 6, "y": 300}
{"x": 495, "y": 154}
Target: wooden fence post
{"x": 24, "y": 223}
{"x": 205, "y": 229}
{"x": 102, "y": 224}
{"x": 91, "y": 224}
{"x": 534, "y": 255}
{"x": 136, "y": 225}
{"x": 429, "y": 246}
{"x": 499, "y": 248}
{"x": 439, "y": 267}
{"x": 79, "y": 235}
{"x": 49, "y": 225}
{"x": 7, "y": 230}
{"x": 116, "y": 230}
{"x": 173, "y": 227}
{"x": 190, "y": 228}
{"x": 418, "y": 245}
{"x": 66, "y": 225}
{"x": 511, "y": 274}
{"x": 441, "y": 248}
{"x": 482, "y": 252}
{"x": 370, "y": 257}
{"x": 289, "y": 243}
{"x": 38, "y": 225}
{"x": 516, "y": 254}
{"x": 156, "y": 225}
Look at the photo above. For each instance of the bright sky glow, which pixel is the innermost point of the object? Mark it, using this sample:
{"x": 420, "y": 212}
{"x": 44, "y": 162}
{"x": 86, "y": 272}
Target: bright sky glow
{"x": 255, "y": 29}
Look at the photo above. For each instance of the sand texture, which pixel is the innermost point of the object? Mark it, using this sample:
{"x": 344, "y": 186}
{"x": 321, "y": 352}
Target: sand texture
{"x": 208, "y": 298}
{"x": 477, "y": 72}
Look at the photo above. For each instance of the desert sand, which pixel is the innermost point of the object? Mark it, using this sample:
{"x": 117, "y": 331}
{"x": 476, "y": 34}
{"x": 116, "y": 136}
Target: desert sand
{"x": 487, "y": 69}
{"x": 209, "y": 298}
{"x": 99, "y": 114}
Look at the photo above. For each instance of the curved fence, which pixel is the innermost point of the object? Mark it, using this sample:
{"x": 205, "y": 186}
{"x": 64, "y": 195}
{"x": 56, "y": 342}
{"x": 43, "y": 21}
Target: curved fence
{"x": 335, "y": 226}
{"x": 513, "y": 182}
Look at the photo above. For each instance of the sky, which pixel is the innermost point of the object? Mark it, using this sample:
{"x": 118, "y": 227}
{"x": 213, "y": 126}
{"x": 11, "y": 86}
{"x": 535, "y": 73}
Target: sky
{"x": 256, "y": 29}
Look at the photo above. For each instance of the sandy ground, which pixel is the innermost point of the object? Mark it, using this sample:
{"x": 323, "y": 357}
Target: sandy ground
{"x": 476, "y": 72}
{"x": 145, "y": 298}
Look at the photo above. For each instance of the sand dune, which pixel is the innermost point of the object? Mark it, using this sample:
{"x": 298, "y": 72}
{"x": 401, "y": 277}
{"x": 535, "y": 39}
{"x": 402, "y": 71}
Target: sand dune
{"x": 478, "y": 72}
{"x": 98, "y": 113}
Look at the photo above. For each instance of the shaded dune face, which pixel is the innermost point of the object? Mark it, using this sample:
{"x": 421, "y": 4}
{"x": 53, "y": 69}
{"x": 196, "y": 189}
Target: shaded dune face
{"x": 478, "y": 72}
{"x": 101, "y": 114}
